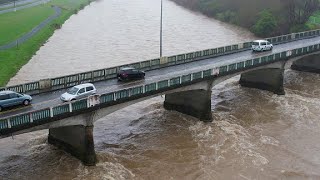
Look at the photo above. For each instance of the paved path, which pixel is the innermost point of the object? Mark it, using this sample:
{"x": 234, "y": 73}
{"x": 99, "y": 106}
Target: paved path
{"x": 23, "y": 6}
{"x": 17, "y": 2}
{"x": 28, "y": 35}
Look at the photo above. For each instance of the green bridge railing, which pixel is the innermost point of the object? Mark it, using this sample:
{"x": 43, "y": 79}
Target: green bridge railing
{"x": 111, "y": 98}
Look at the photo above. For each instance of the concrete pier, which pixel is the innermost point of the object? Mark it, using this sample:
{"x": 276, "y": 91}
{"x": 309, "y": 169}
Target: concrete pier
{"x": 76, "y": 140}
{"x": 270, "y": 79}
{"x": 196, "y": 103}
{"x": 307, "y": 64}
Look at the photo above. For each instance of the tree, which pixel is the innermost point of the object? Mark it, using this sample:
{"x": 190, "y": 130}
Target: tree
{"x": 265, "y": 25}
{"x": 299, "y": 11}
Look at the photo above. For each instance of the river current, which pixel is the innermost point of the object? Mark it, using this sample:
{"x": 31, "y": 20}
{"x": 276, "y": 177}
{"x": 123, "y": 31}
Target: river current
{"x": 255, "y": 134}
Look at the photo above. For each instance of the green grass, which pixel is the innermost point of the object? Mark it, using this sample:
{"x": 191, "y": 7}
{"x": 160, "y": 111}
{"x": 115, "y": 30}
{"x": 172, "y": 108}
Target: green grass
{"x": 15, "y": 24}
{"x": 13, "y": 59}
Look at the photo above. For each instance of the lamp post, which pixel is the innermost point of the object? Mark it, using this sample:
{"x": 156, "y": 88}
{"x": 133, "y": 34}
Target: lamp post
{"x": 161, "y": 32}
{"x": 14, "y": 4}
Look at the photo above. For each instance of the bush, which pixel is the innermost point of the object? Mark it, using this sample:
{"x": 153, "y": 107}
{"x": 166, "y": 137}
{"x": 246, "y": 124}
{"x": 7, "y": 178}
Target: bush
{"x": 299, "y": 28}
{"x": 265, "y": 25}
{"x": 227, "y": 16}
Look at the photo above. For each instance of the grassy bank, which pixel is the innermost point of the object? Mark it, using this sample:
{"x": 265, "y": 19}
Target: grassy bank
{"x": 13, "y": 59}
{"x": 15, "y": 24}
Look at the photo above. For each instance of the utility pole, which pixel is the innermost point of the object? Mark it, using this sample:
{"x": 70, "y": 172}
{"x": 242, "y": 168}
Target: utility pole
{"x": 161, "y": 32}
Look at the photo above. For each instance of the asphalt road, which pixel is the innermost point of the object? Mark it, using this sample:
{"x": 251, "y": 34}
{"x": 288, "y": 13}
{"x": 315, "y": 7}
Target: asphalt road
{"x": 52, "y": 98}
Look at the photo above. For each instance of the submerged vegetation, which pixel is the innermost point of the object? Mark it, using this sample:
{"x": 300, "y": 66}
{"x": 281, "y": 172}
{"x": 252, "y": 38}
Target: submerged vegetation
{"x": 264, "y": 18}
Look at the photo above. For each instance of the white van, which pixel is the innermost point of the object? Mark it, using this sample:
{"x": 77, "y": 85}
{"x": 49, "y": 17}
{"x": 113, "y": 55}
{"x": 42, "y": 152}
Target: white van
{"x": 261, "y": 45}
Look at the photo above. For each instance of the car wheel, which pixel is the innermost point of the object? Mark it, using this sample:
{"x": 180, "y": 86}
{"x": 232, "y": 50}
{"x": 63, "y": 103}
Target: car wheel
{"x": 72, "y": 99}
{"x": 26, "y": 102}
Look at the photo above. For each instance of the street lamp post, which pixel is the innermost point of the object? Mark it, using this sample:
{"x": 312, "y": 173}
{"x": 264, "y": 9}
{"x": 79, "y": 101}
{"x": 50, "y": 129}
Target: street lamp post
{"x": 14, "y": 4}
{"x": 161, "y": 32}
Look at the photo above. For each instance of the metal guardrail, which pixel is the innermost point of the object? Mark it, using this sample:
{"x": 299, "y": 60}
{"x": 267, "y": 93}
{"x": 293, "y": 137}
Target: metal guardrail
{"x": 120, "y": 96}
{"x": 63, "y": 82}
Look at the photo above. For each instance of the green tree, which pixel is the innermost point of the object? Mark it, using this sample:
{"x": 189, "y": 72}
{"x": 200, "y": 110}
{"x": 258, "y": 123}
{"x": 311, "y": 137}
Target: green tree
{"x": 265, "y": 25}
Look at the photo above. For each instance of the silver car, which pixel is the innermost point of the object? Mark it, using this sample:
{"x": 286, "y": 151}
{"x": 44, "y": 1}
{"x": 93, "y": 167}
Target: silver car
{"x": 78, "y": 92}
{"x": 11, "y": 98}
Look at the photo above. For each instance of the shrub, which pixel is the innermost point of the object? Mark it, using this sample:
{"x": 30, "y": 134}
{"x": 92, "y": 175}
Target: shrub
{"x": 265, "y": 25}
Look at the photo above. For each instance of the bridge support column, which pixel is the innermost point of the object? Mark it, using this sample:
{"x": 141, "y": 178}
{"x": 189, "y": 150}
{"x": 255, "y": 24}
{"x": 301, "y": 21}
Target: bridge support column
{"x": 76, "y": 140}
{"x": 307, "y": 64}
{"x": 196, "y": 103}
{"x": 270, "y": 79}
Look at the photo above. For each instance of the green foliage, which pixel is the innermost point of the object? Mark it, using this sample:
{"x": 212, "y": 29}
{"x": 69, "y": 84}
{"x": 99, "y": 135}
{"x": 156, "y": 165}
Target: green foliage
{"x": 227, "y": 16}
{"x": 265, "y": 25}
{"x": 209, "y": 7}
{"x": 299, "y": 28}
{"x": 313, "y": 21}
{"x": 283, "y": 16}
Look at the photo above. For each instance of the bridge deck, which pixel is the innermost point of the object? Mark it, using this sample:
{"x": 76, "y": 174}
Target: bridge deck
{"x": 52, "y": 98}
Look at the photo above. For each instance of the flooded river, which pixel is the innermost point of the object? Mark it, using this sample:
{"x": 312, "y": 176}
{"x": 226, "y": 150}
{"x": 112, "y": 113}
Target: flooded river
{"x": 255, "y": 134}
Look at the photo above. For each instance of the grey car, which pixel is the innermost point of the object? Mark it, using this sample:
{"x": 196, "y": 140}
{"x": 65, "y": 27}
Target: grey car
{"x": 11, "y": 98}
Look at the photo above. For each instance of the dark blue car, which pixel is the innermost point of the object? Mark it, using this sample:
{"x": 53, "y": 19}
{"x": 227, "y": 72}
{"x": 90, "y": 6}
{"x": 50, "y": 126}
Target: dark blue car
{"x": 11, "y": 98}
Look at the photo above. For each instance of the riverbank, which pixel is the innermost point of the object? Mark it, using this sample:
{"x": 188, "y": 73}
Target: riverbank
{"x": 11, "y": 60}
{"x": 264, "y": 19}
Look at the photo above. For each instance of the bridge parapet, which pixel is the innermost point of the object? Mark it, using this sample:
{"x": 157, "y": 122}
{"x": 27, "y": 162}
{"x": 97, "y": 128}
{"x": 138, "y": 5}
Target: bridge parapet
{"x": 49, "y": 114}
{"x": 111, "y": 72}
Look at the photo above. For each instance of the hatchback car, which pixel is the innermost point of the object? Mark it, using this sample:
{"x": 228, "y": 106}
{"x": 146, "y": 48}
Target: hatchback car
{"x": 261, "y": 45}
{"x": 130, "y": 73}
{"x": 78, "y": 92}
{"x": 11, "y": 98}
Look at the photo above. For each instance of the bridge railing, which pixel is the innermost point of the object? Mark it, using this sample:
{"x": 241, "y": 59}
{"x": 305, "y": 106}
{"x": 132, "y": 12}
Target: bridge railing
{"x": 111, "y": 98}
{"x": 63, "y": 82}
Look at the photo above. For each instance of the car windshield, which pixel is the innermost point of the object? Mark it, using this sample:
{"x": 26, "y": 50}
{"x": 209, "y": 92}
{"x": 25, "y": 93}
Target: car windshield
{"x": 73, "y": 90}
{"x": 19, "y": 95}
{"x": 255, "y": 43}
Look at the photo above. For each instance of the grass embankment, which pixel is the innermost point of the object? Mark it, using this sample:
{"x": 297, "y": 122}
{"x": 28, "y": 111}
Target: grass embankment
{"x": 13, "y": 59}
{"x": 15, "y": 24}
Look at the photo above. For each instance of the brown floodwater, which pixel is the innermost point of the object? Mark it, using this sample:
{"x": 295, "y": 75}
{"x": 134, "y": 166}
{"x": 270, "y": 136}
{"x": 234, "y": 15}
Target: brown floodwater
{"x": 255, "y": 134}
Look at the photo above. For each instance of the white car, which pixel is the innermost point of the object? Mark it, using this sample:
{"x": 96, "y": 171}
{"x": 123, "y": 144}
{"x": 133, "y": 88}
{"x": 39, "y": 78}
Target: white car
{"x": 78, "y": 92}
{"x": 261, "y": 45}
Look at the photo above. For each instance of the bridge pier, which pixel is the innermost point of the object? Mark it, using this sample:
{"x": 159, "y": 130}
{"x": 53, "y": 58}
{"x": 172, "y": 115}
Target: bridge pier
{"x": 196, "y": 103}
{"x": 270, "y": 79}
{"x": 76, "y": 140}
{"x": 307, "y": 64}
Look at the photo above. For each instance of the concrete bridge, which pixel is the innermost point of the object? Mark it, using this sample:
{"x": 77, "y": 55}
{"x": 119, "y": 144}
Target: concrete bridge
{"x": 185, "y": 79}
